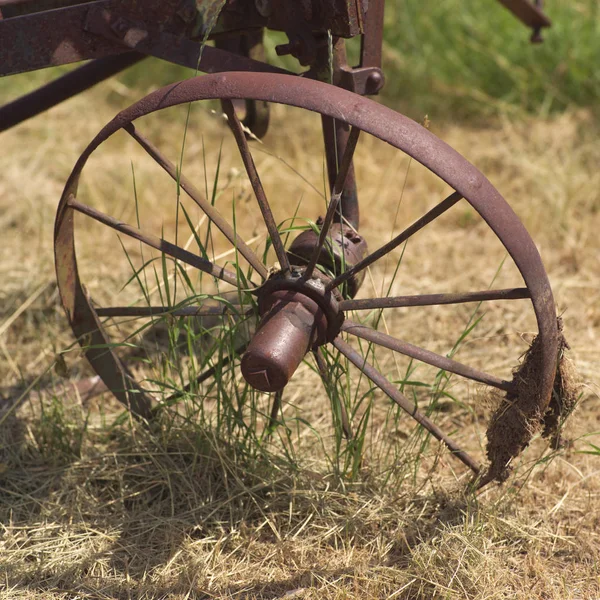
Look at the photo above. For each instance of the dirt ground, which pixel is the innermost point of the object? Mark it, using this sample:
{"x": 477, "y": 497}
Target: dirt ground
{"x": 94, "y": 506}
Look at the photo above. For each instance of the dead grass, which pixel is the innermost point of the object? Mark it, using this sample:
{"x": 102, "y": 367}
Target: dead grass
{"x": 98, "y": 508}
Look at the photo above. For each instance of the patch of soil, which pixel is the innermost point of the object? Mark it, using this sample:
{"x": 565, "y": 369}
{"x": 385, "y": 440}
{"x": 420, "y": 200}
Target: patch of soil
{"x": 522, "y": 412}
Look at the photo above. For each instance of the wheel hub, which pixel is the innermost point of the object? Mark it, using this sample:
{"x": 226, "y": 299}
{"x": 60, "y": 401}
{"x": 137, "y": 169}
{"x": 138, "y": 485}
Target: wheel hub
{"x": 297, "y": 315}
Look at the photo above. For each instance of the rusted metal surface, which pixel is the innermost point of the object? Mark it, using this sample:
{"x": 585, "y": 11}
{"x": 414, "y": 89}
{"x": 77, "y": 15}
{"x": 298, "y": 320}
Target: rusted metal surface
{"x": 106, "y": 21}
{"x": 290, "y": 326}
{"x": 527, "y": 12}
{"x": 106, "y": 27}
{"x": 65, "y": 87}
{"x": 343, "y": 18}
{"x": 50, "y": 38}
{"x": 337, "y": 251}
{"x": 336, "y": 134}
{"x": 369, "y": 117}
{"x": 435, "y": 299}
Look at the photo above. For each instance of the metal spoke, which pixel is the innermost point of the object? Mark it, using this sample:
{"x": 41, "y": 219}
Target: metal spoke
{"x": 211, "y": 212}
{"x": 435, "y": 299}
{"x": 275, "y": 408}
{"x": 426, "y": 356}
{"x": 149, "y": 311}
{"x": 388, "y": 388}
{"x": 338, "y": 189}
{"x": 210, "y": 372}
{"x": 259, "y": 192}
{"x": 433, "y": 214}
{"x": 323, "y": 372}
{"x": 156, "y": 242}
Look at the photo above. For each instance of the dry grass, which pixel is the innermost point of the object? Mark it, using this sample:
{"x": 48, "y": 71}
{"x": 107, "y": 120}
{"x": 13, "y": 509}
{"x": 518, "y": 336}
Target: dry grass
{"x": 98, "y": 508}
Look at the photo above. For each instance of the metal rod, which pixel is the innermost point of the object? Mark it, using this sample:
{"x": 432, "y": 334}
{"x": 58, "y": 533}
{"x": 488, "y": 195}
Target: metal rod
{"x": 156, "y": 242}
{"x": 435, "y": 299}
{"x": 259, "y": 192}
{"x": 149, "y": 311}
{"x": 426, "y": 356}
{"x": 65, "y": 87}
{"x": 338, "y": 188}
{"x": 211, "y": 212}
{"x": 388, "y": 388}
{"x": 275, "y": 408}
{"x": 206, "y": 374}
{"x": 433, "y": 214}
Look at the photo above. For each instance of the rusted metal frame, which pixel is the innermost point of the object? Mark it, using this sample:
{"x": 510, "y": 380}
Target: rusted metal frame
{"x": 527, "y": 13}
{"x": 435, "y": 299}
{"x": 394, "y": 394}
{"x": 211, "y": 212}
{"x": 99, "y": 29}
{"x": 50, "y": 38}
{"x": 426, "y": 356}
{"x": 109, "y": 23}
{"x": 343, "y": 18}
{"x": 65, "y": 87}
{"x": 158, "y": 243}
{"x": 259, "y": 192}
{"x": 368, "y": 78}
{"x": 372, "y": 39}
{"x": 338, "y": 188}
{"x": 4, "y": 3}
{"x": 324, "y": 373}
{"x": 427, "y": 218}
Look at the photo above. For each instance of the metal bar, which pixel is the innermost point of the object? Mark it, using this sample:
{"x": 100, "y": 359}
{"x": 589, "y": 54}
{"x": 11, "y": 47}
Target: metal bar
{"x": 211, "y": 212}
{"x": 527, "y": 13}
{"x": 149, "y": 311}
{"x": 338, "y": 188}
{"x": 426, "y": 356}
{"x": 168, "y": 46}
{"x": 336, "y": 133}
{"x": 259, "y": 192}
{"x": 433, "y": 214}
{"x": 65, "y": 87}
{"x": 156, "y": 242}
{"x": 388, "y": 388}
{"x": 275, "y": 408}
{"x": 51, "y": 38}
{"x": 435, "y": 299}
{"x": 372, "y": 39}
{"x": 206, "y": 374}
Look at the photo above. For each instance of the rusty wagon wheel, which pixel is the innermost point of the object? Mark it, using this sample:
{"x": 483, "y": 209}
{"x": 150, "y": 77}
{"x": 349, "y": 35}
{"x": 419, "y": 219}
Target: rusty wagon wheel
{"x": 302, "y": 304}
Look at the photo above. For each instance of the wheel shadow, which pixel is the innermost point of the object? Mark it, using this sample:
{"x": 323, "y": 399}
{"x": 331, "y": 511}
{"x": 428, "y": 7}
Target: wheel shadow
{"x": 145, "y": 499}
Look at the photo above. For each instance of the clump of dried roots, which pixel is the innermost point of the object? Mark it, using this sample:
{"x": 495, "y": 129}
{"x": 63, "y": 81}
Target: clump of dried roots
{"x": 522, "y": 413}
